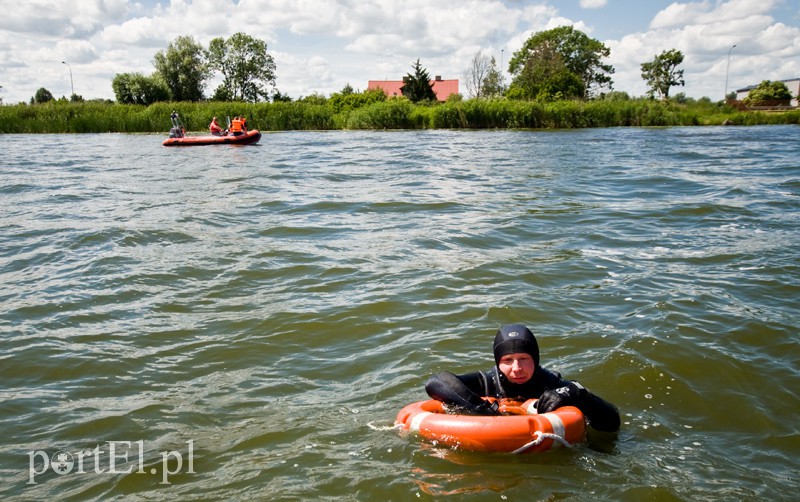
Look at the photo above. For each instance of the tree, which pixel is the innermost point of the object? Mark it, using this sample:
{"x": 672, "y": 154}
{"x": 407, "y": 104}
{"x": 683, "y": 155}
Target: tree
{"x": 183, "y": 68}
{"x": 279, "y": 97}
{"x": 42, "y": 96}
{"x": 417, "y": 87}
{"x": 769, "y": 93}
{"x": 137, "y": 89}
{"x": 494, "y": 83}
{"x": 482, "y": 78}
{"x": 545, "y": 76}
{"x": 662, "y": 73}
{"x": 557, "y": 52}
{"x": 247, "y": 70}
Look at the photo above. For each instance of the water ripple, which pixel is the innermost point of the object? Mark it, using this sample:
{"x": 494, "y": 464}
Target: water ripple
{"x": 277, "y": 305}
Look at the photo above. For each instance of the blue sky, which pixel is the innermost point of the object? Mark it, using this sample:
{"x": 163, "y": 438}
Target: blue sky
{"x": 321, "y": 45}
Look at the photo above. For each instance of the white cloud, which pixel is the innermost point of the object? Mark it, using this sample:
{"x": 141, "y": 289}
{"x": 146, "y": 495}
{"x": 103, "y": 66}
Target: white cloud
{"x": 321, "y": 45}
{"x": 67, "y": 19}
{"x": 141, "y": 32}
{"x": 593, "y": 4}
{"x": 76, "y": 51}
{"x": 702, "y": 13}
{"x": 677, "y": 14}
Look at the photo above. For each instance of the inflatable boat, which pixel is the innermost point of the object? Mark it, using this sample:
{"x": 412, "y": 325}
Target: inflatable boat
{"x": 519, "y": 430}
{"x": 248, "y": 138}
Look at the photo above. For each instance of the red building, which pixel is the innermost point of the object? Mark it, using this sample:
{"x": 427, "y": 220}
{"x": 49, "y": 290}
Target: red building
{"x": 442, "y": 88}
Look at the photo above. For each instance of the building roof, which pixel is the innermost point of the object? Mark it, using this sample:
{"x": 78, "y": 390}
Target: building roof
{"x": 390, "y": 87}
{"x": 442, "y": 88}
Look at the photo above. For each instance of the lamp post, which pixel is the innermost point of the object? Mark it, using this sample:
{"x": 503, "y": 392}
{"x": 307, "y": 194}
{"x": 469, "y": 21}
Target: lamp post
{"x": 71, "y": 84}
{"x": 502, "y": 71}
{"x": 727, "y": 71}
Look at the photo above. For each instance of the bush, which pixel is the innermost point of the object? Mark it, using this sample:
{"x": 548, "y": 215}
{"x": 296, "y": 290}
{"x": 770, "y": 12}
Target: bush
{"x": 42, "y": 96}
{"x": 341, "y": 102}
{"x": 769, "y": 94}
{"x": 391, "y": 114}
{"x": 137, "y": 89}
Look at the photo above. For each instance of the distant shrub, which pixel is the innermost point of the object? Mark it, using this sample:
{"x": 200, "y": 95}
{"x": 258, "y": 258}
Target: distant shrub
{"x": 615, "y": 96}
{"x": 769, "y": 93}
{"x": 341, "y": 102}
{"x": 394, "y": 113}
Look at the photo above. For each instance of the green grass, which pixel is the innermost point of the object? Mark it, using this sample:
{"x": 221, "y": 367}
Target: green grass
{"x": 100, "y": 117}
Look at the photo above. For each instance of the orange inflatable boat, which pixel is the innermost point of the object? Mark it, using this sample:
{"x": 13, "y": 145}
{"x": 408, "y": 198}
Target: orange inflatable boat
{"x": 520, "y": 430}
{"x": 247, "y": 138}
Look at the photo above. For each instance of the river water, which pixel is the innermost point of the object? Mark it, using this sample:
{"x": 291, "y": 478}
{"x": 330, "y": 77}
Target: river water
{"x": 234, "y": 323}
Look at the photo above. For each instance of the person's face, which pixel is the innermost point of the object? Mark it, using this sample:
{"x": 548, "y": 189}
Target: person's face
{"x": 517, "y": 367}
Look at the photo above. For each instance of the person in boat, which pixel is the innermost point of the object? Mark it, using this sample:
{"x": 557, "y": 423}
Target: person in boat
{"x": 518, "y": 375}
{"x": 177, "y": 130}
{"x": 215, "y": 129}
{"x": 237, "y": 126}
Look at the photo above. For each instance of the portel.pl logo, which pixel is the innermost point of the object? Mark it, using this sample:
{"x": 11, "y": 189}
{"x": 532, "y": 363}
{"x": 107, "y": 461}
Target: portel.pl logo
{"x": 108, "y": 460}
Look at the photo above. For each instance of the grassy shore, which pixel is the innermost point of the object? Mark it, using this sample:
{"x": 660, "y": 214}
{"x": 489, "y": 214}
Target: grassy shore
{"x": 100, "y": 117}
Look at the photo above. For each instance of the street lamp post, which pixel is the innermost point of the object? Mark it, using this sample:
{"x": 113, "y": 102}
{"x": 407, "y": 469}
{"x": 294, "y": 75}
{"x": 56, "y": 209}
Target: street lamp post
{"x": 727, "y": 71}
{"x": 502, "y": 71}
{"x": 71, "y": 84}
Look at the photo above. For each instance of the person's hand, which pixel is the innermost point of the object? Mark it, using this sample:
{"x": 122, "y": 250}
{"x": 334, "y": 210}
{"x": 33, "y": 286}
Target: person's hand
{"x": 487, "y": 408}
{"x": 571, "y": 394}
{"x": 510, "y": 407}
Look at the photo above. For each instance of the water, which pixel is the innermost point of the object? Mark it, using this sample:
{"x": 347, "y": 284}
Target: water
{"x": 260, "y": 314}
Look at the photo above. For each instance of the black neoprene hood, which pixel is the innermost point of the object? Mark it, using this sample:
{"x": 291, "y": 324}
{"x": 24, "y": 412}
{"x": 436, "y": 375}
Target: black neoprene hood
{"x": 515, "y": 338}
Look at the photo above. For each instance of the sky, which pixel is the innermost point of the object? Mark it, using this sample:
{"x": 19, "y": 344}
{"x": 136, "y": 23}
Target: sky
{"x": 319, "y": 46}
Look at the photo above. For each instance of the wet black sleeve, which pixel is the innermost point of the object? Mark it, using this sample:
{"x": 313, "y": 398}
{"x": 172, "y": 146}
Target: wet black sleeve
{"x": 601, "y": 414}
{"x": 463, "y": 391}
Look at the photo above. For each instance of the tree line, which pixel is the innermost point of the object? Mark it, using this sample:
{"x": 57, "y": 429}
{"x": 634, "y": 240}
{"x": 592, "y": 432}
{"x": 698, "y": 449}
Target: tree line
{"x": 558, "y": 64}
{"x": 182, "y": 70}
{"x": 564, "y": 63}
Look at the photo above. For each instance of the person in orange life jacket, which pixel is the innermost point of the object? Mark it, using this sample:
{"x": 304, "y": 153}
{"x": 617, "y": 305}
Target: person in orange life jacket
{"x": 237, "y": 127}
{"x": 215, "y": 129}
{"x": 518, "y": 375}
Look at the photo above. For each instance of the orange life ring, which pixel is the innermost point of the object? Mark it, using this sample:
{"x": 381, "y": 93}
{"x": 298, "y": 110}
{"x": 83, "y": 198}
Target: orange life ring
{"x": 523, "y": 432}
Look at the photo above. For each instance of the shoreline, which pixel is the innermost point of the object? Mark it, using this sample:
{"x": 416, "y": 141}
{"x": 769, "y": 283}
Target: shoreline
{"x": 396, "y": 114}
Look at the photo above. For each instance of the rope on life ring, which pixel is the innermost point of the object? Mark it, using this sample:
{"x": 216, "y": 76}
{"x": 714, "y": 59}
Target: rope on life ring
{"x": 541, "y": 436}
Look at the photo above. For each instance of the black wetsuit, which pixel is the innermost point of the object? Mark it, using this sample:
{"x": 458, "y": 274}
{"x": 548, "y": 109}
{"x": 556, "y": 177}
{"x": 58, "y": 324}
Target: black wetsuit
{"x": 465, "y": 391}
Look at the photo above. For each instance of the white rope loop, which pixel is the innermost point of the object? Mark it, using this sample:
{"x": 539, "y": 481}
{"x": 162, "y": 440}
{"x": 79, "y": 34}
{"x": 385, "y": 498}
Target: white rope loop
{"x": 539, "y": 438}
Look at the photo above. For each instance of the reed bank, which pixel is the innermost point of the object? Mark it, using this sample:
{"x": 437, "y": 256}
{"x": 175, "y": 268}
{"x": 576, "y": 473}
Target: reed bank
{"x": 393, "y": 113}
